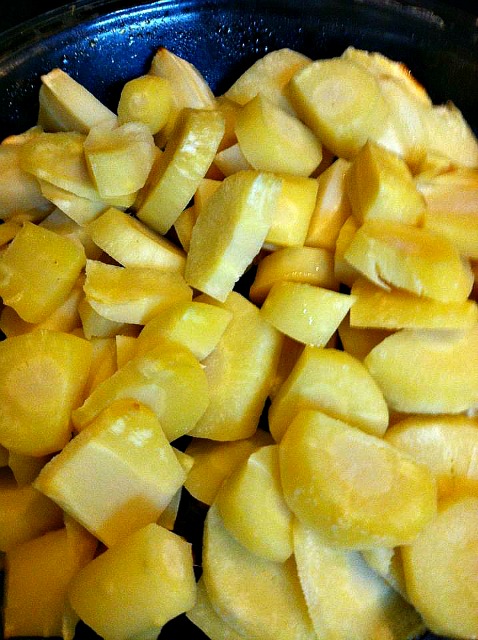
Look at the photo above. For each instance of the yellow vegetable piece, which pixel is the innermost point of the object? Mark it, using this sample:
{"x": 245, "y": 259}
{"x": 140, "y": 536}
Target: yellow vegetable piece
{"x": 230, "y": 231}
{"x": 80, "y": 209}
{"x": 132, "y": 294}
{"x": 134, "y": 588}
{"x": 168, "y": 379}
{"x": 245, "y": 358}
{"x": 427, "y": 371}
{"x": 268, "y": 76}
{"x": 335, "y": 383}
{"x": 95, "y": 325}
{"x": 312, "y": 265}
{"x": 204, "y": 616}
{"x": 59, "y": 158}
{"x": 344, "y": 271}
{"x": 395, "y": 254}
{"x": 346, "y": 599}
{"x": 376, "y": 307}
{"x": 380, "y": 185}
{"x": 69, "y": 106}
{"x": 252, "y": 507}
{"x": 64, "y": 318}
{"x": 183, "y": 226}
{"x": 59, "y": 222}
{"x": 19, "y": 190}
{"x": 439, "y": 570}
{"x": 305, "y": 312}
{"x": 272, "y": 139}
{"x": 214, "y": 461}
{"x": 196, "y": 325}
{"x": 146, "y": 99}
{"x": 341, "y": 102}
{"x": 447, "y": 445}
{"x": 244, "y": 589}
{"x": 387, "y": 562}
{"x": 117, "y": 475}
{"x": 231, "y": 160}
{"x": 332, "y": 207}
{"x": 42, "y": 375}
{"x": 360, "y": 491}
{"x": 179, "y": 170}
{"x": 132, "y": 243}
{"x": 359, "y": 341}
{"x": 25, "y": 513}
{"x": 25, "y": 468}
{"x": 293, "y": 211}
{"x": 119, "y": 159}
{"x": 189, "y": 88}
{"x": 451, "y": 207}
{"x": 38, "y": 575}
{"x": 36, "y": 287}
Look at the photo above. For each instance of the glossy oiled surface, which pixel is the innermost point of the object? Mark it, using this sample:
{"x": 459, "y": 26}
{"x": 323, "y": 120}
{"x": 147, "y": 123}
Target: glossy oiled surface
{"x": 104, "y": 43}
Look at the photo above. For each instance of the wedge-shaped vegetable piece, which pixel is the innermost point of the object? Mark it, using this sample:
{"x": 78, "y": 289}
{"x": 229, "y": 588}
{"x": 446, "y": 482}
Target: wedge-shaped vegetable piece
{"x": 305, "y": 312}
{"x": 196, "y": 325}
{"x": 450, "y": 135}
{"x": 42, "y": 375}
{"x": 439, "y": 570}
{"x": 204, "y": 616}
{"x": 427, "y": 371}
{"x": 177, "y": 173}
{"x": 183, "y": 226}
{"x": 117, "y": 475}
{"x": 132, "y": 294}
{"x": 189, "y": 87}
{"x": 293, "y": 211}
{"x": 65, "y": 226}
{"x": 380, "y": 185}
{"x": 452, "y": 201}
{"x": 38, "y": 270}
{"x": 421, "y": 262}
{"x": 146, "y": 99}
{"x": 344, "y": 271}
{"x": 66, "y": 105}
{"x": 360, "y": 491}
{"x": 103, "y": 362}
{"x": 252, "y": 507}
{"x": 359, "y": 341}
{"x": 346, "y": 599}
{"x": 168, "y": 379}
{"x": 119, "y": 159}
{"x": 59, "y": 158}
{"x": 132, "y": 243}
{"x": 214, "y": 461}
{"x": 231, "y": 160}
{"x": 230, "y": 231}
{"x": 64, "y": 318}
{"x": 334, "y": 382}
{"x": 39, "y": 572}
{"x": 447, "y": 445}
{"x": 332, "y": 206}
{"x": 134, "y": 588}
{"x": 341, "y": 102}
{"x": 81, "y": 210}
{"x": 19, "y": 189}
{"x": 312, "y": 265}
{"x": 245, "y": 358}
{"x": 25, "y": 513}
{"x": 244, "y": 589}
{"x": 95, "y": 325}
{"x": 268, "y": 76}
{"x": 272, "y": 139}
{"x": 397, "y": 309}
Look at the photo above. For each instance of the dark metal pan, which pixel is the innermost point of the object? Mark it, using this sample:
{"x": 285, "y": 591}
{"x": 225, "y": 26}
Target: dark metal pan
{"x": 103, "y": 43}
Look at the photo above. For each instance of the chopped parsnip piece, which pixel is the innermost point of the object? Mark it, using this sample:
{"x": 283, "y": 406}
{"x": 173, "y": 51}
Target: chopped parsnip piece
{"x": 146, "y": 99}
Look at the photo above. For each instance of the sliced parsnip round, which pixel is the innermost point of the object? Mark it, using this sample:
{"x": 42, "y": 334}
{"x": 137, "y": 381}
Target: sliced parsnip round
{"x": 427, "y": 371}
{"x": 358, "y": 490}
{"x": 341, "y": 102}
{"x": 258, "y": 598}
{"x": 440, "y": 570}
